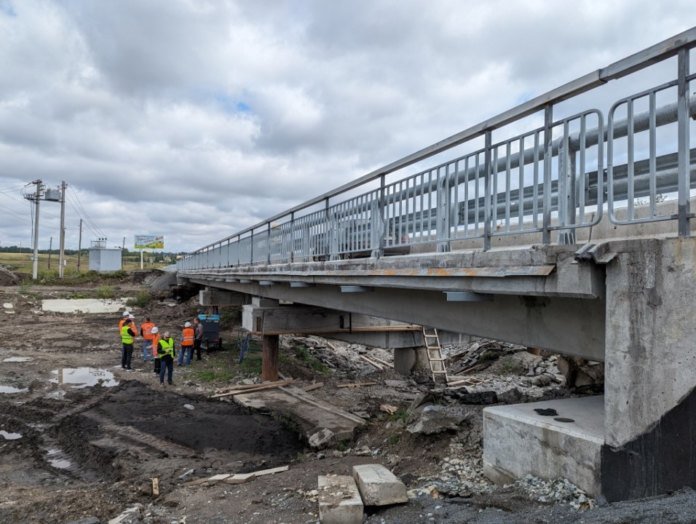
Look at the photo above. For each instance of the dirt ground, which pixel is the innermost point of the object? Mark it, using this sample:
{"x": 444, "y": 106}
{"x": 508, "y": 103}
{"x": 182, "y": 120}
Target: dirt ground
{"x": 81, "y": 439}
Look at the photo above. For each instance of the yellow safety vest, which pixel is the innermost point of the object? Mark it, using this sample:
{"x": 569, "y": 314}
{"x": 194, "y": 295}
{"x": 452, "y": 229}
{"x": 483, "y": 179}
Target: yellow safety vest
{"x": 166, "y": 347}
{"x": 126, "y": 337}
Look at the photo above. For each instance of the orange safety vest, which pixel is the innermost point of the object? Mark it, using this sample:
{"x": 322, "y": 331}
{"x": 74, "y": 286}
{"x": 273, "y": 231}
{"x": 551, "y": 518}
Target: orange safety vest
{"x": 155, "y": 344}
{"x": 187, "y": 337}
{"x": 147, "y": 330}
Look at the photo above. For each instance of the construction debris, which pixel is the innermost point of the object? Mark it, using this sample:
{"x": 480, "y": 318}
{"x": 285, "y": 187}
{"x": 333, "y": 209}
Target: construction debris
{"x": 378, "y": 486}
{"x": 356, "y": 385}
{"x": 155, "y": 487}
{"x": 244, "y": 389}
{"x": 235, "y": 478}
{"x": 339, "y": 500}
{"x": 434, "y": 418}
{"x": 388, "y": 408}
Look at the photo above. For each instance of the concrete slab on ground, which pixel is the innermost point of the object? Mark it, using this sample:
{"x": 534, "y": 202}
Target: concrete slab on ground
{"x": 339, "y": 500}
{"x": 311, "y": 414}
{"x": 379, "y": 486}
{"x": 519, "y": 440}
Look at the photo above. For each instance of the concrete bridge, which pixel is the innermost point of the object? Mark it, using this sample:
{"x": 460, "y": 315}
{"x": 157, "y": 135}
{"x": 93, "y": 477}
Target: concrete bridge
{"x": 574, "y": 236}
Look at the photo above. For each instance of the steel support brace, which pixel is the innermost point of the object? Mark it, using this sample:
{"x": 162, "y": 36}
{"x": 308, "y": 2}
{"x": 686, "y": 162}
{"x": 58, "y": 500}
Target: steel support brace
{"x": 683, "y": 142}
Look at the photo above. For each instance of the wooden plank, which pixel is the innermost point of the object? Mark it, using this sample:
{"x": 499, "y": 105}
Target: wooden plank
{"x": 380, "y": 361}
{"x": 240, "y": 478}
{"x": 371, "y": 362}
{"x": 312, "y": 387}
{"x": 325, "y": 407}
{"x": 155, "y": 487}
{"x": 261, "y": 387}
{"x": 356, "y": 385}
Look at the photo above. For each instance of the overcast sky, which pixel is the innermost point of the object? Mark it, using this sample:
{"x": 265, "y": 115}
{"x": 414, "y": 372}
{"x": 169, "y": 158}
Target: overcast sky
{"x": 194, "y": 119}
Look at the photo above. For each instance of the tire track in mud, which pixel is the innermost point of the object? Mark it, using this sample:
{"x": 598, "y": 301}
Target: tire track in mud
{"x": 136, "y": 436}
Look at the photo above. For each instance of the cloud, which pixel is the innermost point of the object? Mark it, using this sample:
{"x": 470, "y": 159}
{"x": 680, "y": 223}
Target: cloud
{"x": 197, "y": 118}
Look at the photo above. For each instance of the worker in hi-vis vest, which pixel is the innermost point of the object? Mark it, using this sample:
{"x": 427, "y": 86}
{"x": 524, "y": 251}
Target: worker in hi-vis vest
{"x": 166, "y": 353}
{"x": 155, "y": 347}
{"x": 188, "y": 336}
{"x": 127, "y": 338}
{"x": 146, "y": 333}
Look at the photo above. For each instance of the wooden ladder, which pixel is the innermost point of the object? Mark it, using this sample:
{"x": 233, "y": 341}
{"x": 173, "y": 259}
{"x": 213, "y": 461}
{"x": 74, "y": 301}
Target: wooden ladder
{"x": 434, "y": 350}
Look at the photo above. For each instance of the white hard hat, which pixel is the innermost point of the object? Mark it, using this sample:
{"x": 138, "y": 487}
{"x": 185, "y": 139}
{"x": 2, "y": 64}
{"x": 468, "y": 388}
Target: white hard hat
{"x": 126, "y": 313}
{"x": 154, "y": 330}
{"x": 131, "y": 316}
{"x": 187, "y": 324}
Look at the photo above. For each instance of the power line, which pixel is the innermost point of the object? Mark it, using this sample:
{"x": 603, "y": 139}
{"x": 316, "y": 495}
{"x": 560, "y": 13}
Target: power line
{"x": 86, "y": 216}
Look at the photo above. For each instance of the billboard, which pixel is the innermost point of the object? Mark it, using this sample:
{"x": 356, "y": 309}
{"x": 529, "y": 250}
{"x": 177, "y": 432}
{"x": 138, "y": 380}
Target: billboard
{"x": 149, "y": 242}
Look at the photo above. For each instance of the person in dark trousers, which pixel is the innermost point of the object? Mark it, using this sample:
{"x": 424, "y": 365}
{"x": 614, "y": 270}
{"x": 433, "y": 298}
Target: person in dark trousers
{"x": 198, "y": 341}
{"x": 127, "y": 338}
{"x": 166, "y": 353}
{"x": 188, "y": 337}
{"x": 155, "y": 348}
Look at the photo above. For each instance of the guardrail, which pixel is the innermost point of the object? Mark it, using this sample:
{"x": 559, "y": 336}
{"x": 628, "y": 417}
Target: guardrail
{"x": 550, "y": 179}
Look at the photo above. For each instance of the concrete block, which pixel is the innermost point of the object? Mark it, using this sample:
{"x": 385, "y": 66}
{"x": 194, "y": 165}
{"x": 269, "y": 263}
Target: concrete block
{"x": 517, "y": 441}
{"x": 339, "y": 500}
{"x": 379, "y": 486}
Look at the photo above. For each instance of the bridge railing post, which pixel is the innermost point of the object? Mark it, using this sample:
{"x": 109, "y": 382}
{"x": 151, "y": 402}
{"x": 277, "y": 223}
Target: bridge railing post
{"x": 378, "y": 221}
{"x": 548, "y": 155}
{"x": 443, "y": 211}
{"x": 488, "y": 174}
{"x": 683, "y": 210}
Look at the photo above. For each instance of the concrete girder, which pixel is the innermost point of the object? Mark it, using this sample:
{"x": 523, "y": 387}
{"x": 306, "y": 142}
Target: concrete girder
{"x": 564, "y": 325}
{"x": 276, "y": 320}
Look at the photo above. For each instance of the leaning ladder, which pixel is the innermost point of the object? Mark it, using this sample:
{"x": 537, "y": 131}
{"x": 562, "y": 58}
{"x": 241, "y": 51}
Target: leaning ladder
{"x": 434, "y": 350}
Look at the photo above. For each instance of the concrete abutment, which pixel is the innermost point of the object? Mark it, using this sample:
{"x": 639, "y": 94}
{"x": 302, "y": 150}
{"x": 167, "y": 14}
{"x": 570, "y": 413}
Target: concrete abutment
{"x": 639, "y": 439}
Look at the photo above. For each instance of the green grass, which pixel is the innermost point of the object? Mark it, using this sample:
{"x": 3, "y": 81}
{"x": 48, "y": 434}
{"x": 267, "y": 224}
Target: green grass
{"x": 303, "y": 355}
{"x": 213, "y": 375}
{"x": 142, "y": 299}
{"x": 21, "y": 263}
{"x": 106, "y": 292}
{"x": 401, "y": 415}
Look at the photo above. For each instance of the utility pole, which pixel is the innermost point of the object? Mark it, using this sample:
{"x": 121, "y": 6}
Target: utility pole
{"x": 36, "y": 197}
{"x": 50, "y": 248}
{"x": 79, "y": 248}
{"x": 61, "y": 257}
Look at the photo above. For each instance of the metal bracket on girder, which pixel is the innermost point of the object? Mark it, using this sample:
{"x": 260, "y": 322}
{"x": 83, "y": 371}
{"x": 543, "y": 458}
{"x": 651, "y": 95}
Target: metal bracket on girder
{"x": 597, "y": 253}
{"x": 467, "y": 296}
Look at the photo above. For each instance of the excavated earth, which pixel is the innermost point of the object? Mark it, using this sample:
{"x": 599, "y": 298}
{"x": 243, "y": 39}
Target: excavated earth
{"x": 81, "y": 439}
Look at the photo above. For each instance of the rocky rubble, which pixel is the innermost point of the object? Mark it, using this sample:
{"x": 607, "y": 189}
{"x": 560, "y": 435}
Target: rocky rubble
{"x": 554, "y": 491}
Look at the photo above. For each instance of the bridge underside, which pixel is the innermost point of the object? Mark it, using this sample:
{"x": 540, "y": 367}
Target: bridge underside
{"x": 628, "y": 303}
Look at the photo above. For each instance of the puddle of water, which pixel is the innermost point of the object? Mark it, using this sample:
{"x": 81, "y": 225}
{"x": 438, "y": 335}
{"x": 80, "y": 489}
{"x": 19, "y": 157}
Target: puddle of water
{"x": 17, "y": 359}
{"x": 12, "y": 389}
{"x": 84, "y": 377}
{"x": 83, "y": 305}
{"x": 57, "y": 459}
{"x": 10, "y": 436}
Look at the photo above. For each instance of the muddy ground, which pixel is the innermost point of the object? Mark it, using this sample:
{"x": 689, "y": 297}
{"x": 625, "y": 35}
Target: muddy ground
{"x": 80, "y": 438}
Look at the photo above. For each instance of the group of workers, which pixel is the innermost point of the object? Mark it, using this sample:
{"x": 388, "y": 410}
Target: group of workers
{"x": 161, "y": 348}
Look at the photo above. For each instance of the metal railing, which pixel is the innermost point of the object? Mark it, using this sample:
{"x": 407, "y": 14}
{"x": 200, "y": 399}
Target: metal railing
{"x": 549, "y": 179}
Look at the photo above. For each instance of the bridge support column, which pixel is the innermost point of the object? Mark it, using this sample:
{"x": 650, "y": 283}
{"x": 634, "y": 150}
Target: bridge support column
{"x": 650, "y": 398}
{"x": 269, "y": 363}
{"x": 408, "y": 361}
